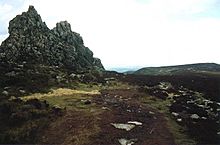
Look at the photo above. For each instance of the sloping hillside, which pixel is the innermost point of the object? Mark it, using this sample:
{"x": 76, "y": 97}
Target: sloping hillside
{"x": 180, "y": 69}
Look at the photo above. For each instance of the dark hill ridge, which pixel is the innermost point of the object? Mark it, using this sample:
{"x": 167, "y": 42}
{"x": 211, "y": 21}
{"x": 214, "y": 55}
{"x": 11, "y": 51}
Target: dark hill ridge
{"x": 180, "y": 69}
{"x": 31, "y": 41}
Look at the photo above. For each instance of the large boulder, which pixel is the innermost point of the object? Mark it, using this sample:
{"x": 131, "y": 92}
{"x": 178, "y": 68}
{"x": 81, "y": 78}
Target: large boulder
{"x": 32, "y": 42}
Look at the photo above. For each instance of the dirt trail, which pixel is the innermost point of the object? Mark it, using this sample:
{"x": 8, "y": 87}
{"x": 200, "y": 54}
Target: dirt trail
{"x": 148, "y": 127}
{"x": 123, "y": 106}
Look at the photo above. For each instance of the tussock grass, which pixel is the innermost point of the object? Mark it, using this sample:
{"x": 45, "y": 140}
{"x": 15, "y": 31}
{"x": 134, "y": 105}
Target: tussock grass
{"x": 61, "y": 92}
{"x": 84, "y": 117}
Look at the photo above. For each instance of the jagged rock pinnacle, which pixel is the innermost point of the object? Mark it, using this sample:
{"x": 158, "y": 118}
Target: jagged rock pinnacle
{"x": 30, "y": 40}
{"x": 26, "y": 21}
{"x": 31, "y": 9}
{"x": 63, "y": 26}
{"x": 63, "y": 30}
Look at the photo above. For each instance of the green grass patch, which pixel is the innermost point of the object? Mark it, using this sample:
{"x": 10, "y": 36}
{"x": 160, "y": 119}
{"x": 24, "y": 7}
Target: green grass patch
{"x": 179, "y": 132}
{"x": 66, "y": 98}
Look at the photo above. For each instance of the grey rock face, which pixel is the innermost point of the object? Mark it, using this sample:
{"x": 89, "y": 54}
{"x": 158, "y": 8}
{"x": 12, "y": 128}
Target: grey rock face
{"x": 31, "y": 41}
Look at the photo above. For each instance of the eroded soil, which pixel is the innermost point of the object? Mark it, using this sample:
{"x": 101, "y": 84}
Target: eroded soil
{"x": 112, "y": 106}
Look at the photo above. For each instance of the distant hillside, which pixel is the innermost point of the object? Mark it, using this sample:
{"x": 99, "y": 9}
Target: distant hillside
{"x": 125, "y": 69}
{"x": 180, "y": 69}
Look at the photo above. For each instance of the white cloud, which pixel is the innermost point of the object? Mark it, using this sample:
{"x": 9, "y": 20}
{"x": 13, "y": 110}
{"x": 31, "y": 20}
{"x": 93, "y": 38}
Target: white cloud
{"x": 139, "y": 32}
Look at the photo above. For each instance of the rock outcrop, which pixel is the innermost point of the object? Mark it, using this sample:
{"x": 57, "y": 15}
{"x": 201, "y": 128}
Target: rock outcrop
{"x": 32, "y": 42}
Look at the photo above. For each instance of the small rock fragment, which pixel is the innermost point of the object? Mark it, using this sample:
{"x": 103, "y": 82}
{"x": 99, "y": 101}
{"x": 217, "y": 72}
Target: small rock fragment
{"x": 134, "y": 122}
{"x": 87, "y": 102}
{"x": 104, "y": 108}
{"x": 194, "y": 116}
{"x": 150, "y": 112}
{"x": 204, "y": 118}
{"x": 5, "y": 93}
{"x": 126, "y": 127}
{"x": 175, "y": 114}
{"x": 72, "y": 76}
{"x": 22, "y": 91}
{"x": 179, "y": 120}
{"x": 123, "y": 141}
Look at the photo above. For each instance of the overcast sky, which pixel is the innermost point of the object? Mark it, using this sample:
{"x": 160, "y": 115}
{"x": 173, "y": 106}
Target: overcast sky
{"x": 126, "y": 33}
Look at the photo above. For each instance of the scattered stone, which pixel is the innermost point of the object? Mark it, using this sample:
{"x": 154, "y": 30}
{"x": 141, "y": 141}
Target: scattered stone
{"x": 160, "y": 94}
{"x": 126, "y": 127}
{"x": 179, "y": 120}
{"x": 22, "y": 91}
{"x": 59, "y": 79}
{"x": 152, "y": 113}
{"x": 11, "y": 74}
{"x": 194, "y": 116}
{"x": 6, "y": 88}
{"x": 168, "y": 105}
{"x": 201, "y": 106}
{"x": 72, "y": 75}
{"x": 124, "y": 141}
{"x": 105, "y": 108}
{"x": 12, "y": 98}
{"x": 78, "y": 76}
{"x": 218, "y": 133}
{"x": 152, "y": 130}
{"x": 21, "y": 65}
{"x": 175, "y": 114}
{"x": 87, "y": 102}
{"x": 5, "y": 93}
{"x": 165, "y": 85}
{"x": 204, "y": 118}
{"x": 190, "y": 102}
{"x": 134, "y": 122}
{"x": 109, "y": 79}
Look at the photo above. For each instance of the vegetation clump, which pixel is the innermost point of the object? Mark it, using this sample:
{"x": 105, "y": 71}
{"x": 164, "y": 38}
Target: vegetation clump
{"x": 23, "y": 121}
